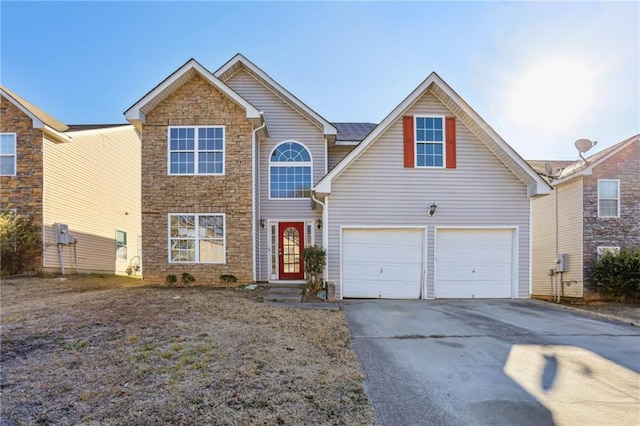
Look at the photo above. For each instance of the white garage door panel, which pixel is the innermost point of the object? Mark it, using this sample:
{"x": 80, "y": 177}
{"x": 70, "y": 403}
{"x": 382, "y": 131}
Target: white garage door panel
{"x": 474, "y": 263}
{"x": 384, "y": 263}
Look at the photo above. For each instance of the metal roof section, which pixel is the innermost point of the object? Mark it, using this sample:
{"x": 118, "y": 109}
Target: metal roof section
{"x": 352, "y": 133}
{"x": 136, "y": 114}
{"x": 240, "y": 62}
{"x": 536, "y": 185}
{"x": 580, "y": 167}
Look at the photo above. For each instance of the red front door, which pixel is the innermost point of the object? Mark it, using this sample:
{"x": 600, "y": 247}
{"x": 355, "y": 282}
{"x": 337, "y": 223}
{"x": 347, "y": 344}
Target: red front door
{"x": 290, "y": 245}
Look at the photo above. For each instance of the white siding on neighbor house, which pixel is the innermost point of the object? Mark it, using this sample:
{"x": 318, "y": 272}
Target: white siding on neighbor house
{"x": 378, "y": 190}
{"x": 569, "y": 219}
{"x": 93, "y": 185}
{"x": 284, "y": 124}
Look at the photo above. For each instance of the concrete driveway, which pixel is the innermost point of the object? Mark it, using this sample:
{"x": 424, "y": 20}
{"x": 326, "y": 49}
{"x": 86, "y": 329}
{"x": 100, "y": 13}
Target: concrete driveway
{"x": 494, "y": 362}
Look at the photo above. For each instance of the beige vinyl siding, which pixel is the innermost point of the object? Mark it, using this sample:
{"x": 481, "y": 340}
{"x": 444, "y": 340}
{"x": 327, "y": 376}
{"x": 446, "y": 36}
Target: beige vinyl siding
{"x": 543, "y": 222}
{"x": 377, "y": 190}
{"x": 284, "y": 124}
{"x": 337, "y": 153}
{"x": 570, "y": 219}
{"x": 569, "y": 240}
{"x": 93, "y": 185}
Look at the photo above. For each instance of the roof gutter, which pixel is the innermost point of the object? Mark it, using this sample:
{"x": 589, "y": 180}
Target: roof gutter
{"x": 253, "y": 201}
{"x": 55, "y": 135}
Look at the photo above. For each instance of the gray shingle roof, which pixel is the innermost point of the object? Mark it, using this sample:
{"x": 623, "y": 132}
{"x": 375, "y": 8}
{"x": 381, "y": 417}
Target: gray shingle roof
{"x": 353, "y": 131}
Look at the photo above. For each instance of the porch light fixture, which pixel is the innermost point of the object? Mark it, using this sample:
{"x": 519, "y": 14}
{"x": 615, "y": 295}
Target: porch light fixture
{"x": 432, "y": 209}
{"x": 263, "y": 224}
{"x": 319, "y": 224}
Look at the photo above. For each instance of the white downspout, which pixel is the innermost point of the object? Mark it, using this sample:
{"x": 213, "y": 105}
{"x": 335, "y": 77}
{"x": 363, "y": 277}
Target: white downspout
{"x": 325, "y": 229}
{"x": 253, "y": 195}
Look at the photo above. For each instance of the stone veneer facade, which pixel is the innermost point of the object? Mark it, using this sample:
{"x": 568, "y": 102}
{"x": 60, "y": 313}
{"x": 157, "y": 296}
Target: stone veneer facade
{"x": 623, "y": 231}
{"x": 197, "y": 103}
{"x": 23, "y": 191}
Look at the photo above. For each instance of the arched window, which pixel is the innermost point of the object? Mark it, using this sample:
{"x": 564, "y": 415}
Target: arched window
{"x": 290, "y": 171}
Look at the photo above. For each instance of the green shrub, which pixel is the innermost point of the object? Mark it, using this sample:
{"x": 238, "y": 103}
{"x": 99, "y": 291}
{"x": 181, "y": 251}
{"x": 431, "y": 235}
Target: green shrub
{"x": 228, "y": 278}
{"x": 315, "y": 259}
{"x": 170, "y": 280}
{"x": 618, "y": 275}
{"x": 187, "y": 278}
{"x": 20, "y": 243}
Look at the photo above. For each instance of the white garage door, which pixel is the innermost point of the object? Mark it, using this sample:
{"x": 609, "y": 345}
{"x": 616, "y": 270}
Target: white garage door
{"x": 474, "y": 263}
{"x": 382, "y": 263}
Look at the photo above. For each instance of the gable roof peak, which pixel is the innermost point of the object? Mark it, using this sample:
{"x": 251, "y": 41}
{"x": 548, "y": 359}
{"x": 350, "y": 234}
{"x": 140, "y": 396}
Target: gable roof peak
{"x": 39, "y": 117}
{"x": 239, "y": 61}
{"x": 136, "y": 113}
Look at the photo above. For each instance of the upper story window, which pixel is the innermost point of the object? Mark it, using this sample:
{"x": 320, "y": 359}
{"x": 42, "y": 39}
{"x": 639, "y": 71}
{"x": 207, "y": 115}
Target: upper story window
{"x": 196, "y": 150}
{"x": 290, "y": 171}
{"x": 608, "y": 198}
{"x": 8, "y": 154}
{"x": 196, "y": 238}
{"x": 430, "y": 141}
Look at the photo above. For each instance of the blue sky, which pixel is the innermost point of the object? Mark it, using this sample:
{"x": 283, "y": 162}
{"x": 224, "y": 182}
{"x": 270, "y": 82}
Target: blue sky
{"x": 542, "y": 74}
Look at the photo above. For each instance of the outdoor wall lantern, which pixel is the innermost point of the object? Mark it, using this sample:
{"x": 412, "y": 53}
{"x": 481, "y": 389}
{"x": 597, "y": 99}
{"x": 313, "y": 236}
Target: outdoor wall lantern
{"x": 432, "y": 209}
{"x": 319, "y": 224}
{"x": 263, "y": 224}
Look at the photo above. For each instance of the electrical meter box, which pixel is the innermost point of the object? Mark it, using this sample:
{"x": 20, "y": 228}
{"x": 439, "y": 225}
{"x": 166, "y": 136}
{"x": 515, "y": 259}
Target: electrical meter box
{"x": 562, "y": 262}
{"x": 62, "y": 234}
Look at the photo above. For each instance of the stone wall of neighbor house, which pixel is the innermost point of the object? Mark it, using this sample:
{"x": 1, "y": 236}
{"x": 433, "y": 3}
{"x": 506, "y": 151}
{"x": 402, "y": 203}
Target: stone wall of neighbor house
{"x": 623, "y": 231}
{"x": 23, "y": 191}
{"x": 197, "y": 103}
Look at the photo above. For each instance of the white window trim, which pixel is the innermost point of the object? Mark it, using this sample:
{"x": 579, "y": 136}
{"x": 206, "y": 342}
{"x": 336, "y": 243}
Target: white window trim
{"x": 14, "y": 155}
{"x": 196, "y": 151}
{"x": 617, "y": 196}
{"x": 289, "y": 164}
{"x": 415, "y": 142}
{"x": 603, "y": 249}
{"x": 126, "y": 245}
{"x": 197, "y": 215}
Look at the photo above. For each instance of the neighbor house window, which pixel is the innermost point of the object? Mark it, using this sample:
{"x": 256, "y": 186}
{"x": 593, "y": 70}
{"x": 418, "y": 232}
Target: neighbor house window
{"x": 196, "y": 150}
{"x": 121, "y": 244}
{"x": 602, "y": 250}
{"x": 196, "y": 238}
{"x": 608, "y": 198}
{"x": 429, "y": 141}
{"x": 8, "y": 154}
{"x": 290, "y": 171}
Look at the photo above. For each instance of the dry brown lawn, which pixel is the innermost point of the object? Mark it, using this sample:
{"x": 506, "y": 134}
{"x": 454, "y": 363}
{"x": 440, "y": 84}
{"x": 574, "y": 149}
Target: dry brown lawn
{"x": 106, "y": 350}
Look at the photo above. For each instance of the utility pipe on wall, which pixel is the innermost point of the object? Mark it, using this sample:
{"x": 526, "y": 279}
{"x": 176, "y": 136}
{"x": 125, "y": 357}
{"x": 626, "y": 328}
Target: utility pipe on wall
{"x": 254, "y": 150}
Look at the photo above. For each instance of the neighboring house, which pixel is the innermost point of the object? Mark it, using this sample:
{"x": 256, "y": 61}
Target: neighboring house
{"x": 85, "y": 177}
{"x": 238, "y": 176}
{"x": 595, "y": 207}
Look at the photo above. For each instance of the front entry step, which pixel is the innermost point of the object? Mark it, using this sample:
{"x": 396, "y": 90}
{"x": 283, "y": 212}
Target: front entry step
{"x": 289, "y": 293}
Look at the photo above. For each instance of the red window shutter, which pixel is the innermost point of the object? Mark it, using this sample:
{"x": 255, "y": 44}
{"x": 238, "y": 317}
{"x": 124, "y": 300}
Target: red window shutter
{"x": 450, "y": 130}
{"x": 409, "y": 141}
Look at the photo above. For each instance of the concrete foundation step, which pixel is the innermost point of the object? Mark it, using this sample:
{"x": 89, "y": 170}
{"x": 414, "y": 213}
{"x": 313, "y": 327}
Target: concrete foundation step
{"x": 285, "y": 294}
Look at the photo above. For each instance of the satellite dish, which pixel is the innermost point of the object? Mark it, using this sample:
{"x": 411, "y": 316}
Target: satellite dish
{"x": 584, "y": 145}
{"x": 548, "y": 168}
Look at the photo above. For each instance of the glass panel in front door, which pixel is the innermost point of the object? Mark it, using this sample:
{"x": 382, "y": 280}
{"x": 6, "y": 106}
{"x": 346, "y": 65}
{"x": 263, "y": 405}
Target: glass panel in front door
{"x": 291, "y": 250}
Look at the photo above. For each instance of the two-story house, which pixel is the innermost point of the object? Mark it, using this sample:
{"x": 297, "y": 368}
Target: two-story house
{"x": 79, "y": 183}
{"x": 595, "y": 207}
{"x": 238, "y": 176}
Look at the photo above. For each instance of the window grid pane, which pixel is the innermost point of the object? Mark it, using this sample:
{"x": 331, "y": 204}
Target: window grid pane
{"x": 197, "y": 238}
{"x": 290, "y": 180}
{"x": 429, "y": 141}
{"x": 608, "y": 198}
{"x": 208, "y": 152}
